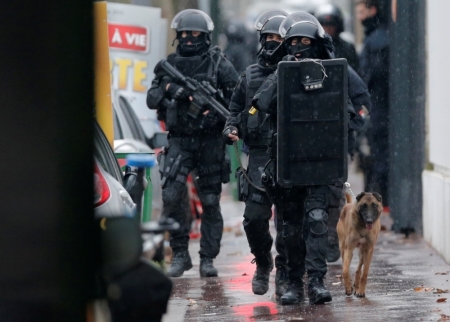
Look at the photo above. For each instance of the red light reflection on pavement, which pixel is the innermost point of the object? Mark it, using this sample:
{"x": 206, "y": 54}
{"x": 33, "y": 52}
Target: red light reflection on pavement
{"x": 256, "y": 310}
{"x": 244, "y": 271}
{"x": 242, "y": 283}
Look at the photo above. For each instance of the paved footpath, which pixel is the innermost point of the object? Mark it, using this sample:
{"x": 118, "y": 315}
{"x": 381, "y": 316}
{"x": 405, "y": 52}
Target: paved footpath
{"x": 408, "y": 281}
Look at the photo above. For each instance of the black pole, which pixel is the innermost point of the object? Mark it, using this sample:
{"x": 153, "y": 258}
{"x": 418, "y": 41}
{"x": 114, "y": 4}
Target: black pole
{"x": 407, "y": 115}
{"x": 217, "y": 18}
{"x": 47, "y": 234}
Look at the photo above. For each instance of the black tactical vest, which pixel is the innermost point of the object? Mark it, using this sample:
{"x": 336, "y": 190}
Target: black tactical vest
{"x": 255, "y": 128}
{"x": 200, "y": 68}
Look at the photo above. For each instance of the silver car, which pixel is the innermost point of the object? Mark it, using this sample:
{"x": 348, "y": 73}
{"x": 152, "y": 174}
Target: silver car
{"x": 110, "y": 197}
{"x": 129, "y": 137}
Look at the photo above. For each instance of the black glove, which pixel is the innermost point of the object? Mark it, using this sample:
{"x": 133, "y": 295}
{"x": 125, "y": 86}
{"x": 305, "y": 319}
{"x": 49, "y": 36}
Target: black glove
{"x": 177, "y": 92}
{"x": 229, "y": 130}
{"x": 289, "y": 58}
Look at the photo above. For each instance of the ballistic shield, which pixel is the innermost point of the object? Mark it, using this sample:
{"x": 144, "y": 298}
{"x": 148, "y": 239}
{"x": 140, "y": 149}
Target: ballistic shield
{"x": 312, "y": 123}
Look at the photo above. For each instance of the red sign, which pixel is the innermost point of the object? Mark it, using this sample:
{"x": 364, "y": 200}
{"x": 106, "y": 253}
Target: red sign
{"x": 128, "y": 37}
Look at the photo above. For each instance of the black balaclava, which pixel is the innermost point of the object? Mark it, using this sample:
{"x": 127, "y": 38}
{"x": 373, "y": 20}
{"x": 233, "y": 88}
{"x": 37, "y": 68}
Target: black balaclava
{"x": 267, "y": 49}
{"x": 271, "y": 45}
{"x": 302, "y": 51}
{"x": 198, "y": 46}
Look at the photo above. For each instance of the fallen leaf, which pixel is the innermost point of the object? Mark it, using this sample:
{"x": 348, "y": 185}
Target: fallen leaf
{"x": 337, "y": 283}
{"x": 423, "y": 289}
{"x": 245, "y": 274}
{"x": 444, "y": 318}
{"x": 441, "y": 300}
{"x": 338, "y": 276}
{"x": 227, "y": 229}
{"x": 192, "y": 302}
{"x": 441, "y": 273}
{"x": 439, "y": 291}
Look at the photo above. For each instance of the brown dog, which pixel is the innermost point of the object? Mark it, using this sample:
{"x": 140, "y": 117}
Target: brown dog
{"x": 359, "y": 226}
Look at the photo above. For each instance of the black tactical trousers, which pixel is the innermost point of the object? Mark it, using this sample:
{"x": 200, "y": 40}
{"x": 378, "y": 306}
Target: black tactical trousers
{"x": 206, "y": 154}
{"x": 305, "y": 231}
{"x": 258, "y": 211}
{"x": 258, "y": 207}
{"x": 333, "y": 219}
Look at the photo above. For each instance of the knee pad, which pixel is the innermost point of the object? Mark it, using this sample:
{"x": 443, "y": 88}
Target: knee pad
{"x": 172, "y": 197}
{"x": 314, "y": 201}
{"x": 318, "y": 222}
{"x": 209, "y": 201}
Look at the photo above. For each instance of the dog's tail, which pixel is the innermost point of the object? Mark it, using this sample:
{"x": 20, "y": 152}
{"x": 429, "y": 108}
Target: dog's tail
{"x": 348, "y": 198}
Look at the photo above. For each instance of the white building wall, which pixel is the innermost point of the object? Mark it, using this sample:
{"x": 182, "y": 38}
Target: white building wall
{"x": 436, "y": 182}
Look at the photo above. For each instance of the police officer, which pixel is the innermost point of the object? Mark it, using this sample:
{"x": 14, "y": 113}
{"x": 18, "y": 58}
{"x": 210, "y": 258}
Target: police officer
{"x": 304, "y": 209}
{"x": 374, "y": 70}
{"x": 237, "y": 50}
{"x": 332, "y": 20}
{"x": 253, "y": 127}
{"x": 194, "y": 143}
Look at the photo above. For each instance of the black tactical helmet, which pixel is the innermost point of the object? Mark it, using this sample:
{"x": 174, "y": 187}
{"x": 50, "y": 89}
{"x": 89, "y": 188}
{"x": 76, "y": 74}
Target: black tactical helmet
{"x": 330, "y": 15}
{"x": 304, "y": 24}
{"x": 192, "y": 19}
{"x": 269, "y": 22}
{"x": 301, "y": 24}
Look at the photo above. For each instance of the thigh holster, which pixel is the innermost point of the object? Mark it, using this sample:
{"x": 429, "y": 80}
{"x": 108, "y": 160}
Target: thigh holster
{"x": 242, "y": 184}
{"x": 171, "y": 168}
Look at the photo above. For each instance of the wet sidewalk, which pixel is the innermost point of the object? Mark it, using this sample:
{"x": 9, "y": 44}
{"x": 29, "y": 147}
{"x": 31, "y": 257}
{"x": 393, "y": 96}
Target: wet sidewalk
{"x": 408, "y": 281}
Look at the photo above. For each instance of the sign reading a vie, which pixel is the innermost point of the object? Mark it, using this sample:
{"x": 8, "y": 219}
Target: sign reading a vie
{"x": 128, "y": 37}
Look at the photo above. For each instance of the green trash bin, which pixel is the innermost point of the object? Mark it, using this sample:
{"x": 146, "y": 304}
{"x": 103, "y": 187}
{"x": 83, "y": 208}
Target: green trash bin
{"x": 231, "y": 150}
{"x": 146, "y": 214}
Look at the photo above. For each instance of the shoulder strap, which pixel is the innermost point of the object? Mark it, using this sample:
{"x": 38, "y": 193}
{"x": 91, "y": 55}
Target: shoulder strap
{"x": 214, "y": 65}
{"x": 255, "y": 76}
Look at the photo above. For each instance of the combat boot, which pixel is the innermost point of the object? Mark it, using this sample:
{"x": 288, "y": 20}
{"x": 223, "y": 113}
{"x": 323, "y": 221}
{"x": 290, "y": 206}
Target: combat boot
{"x": 281, "y": 281}
{"x": 260, "y": 281}
{"x": 181, "y": 262}
{"x": 206, "y": 267}
{"x": 317, "y": 292}
{"x": 293, "y": 294}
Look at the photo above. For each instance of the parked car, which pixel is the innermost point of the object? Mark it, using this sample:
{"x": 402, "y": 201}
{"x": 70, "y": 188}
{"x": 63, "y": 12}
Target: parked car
{"x": 134, "y": 288}
{"x": 110, "y": 196}
{"x": 130, "y": 137}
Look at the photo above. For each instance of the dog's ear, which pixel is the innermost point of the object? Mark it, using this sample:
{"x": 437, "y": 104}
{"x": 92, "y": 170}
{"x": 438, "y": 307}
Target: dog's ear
{"x": 377, "y": 195}
{"x": 358, "y": 197}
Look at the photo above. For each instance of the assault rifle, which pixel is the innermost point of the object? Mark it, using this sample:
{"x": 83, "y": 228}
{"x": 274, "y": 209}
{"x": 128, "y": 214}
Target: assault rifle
{"x": 202, "y": 92}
